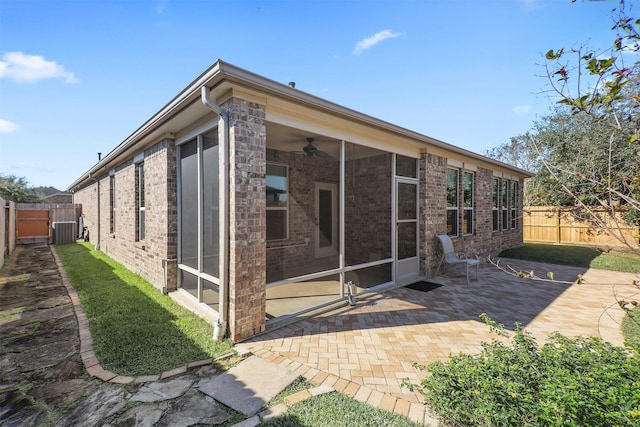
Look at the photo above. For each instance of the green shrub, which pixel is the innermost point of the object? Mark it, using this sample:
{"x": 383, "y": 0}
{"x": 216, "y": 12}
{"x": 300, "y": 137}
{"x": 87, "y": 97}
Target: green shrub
{"x": 567, "y": 381}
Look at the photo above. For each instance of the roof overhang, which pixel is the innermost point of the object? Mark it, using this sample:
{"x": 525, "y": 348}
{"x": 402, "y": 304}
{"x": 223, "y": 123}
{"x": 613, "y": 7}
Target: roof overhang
{"x": 186, "y": 108}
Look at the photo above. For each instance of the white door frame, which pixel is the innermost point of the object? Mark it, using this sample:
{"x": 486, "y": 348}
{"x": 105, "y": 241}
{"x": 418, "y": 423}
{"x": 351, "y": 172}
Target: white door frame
{"x": 321, "y": 252}
{"x": 407, "y": 267}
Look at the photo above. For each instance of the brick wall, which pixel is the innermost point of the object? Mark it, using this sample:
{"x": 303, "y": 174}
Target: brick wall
{"x": 484, "y": 241}
{"x": 368, "y": 209}
{"x": 304, "y": 172}
{"x": 433, "y": 200}
{"x": 145, "y": 257}
{"x": 87, "y": 198}
{"x": 247, "y": 218}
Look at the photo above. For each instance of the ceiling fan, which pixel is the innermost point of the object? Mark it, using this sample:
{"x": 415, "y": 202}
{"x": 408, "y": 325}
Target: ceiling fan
{"x": 310, "y": 150}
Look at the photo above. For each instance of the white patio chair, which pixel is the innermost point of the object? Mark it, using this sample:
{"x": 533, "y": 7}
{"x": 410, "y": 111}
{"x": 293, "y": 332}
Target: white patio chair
{"x": 449, "y": 256}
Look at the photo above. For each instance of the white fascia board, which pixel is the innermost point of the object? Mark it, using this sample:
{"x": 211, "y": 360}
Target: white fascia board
{"x": 221, "y": 71}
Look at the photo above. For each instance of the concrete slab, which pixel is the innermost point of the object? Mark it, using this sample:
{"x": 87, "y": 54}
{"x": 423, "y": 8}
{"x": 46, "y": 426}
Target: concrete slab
{"x": 248, "y": 386}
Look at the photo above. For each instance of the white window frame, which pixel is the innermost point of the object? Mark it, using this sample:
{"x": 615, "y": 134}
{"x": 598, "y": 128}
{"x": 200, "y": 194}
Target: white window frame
{"x": 112, "y": 203}
{"x": 495, "y": 201}
{"x": 282, "y": 208}
{"x": 504, "y": 208}
{"x": 141, "y": 230}
{"x": 465, "y": 208}
{"x": 455, "y": 208}
{"x": 514, "y": 204}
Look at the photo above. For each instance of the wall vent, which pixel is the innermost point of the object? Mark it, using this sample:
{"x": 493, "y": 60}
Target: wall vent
{"x": 64, "y": 232}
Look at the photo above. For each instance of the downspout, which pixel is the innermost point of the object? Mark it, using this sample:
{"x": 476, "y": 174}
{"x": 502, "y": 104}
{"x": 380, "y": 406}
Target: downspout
{"x": 220, "y": 327}
{"x": 97, "y": 245}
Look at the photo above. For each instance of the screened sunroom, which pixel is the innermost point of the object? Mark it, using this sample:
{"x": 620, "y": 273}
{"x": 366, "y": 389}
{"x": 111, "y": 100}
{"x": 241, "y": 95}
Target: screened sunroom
{"x": 337, "y": 213}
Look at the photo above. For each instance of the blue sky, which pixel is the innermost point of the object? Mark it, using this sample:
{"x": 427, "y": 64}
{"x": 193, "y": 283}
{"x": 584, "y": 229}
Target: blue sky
{"x": 78, "y": 77}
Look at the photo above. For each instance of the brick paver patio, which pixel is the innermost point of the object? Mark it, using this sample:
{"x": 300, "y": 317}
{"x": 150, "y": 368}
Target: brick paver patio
{"x": 365, "y": 351}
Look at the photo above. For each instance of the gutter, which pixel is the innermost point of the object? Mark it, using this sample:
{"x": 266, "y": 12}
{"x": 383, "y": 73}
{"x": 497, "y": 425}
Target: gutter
{"x": 221, "y": 71}
{"x": 223, "y": 240}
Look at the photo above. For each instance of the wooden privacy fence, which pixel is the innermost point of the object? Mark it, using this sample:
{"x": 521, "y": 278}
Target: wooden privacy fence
{"x": 553, "y": 224}
{"x": 36, "y": 222}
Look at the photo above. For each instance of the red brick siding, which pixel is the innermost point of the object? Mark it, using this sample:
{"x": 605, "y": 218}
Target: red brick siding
{"x": 484, "y": 241}
{"x": 247, "y": 218}
{"x": 145, "y": 257}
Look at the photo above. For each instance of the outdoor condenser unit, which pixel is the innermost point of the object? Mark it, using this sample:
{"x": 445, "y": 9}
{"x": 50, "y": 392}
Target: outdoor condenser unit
{"x": 64, "y": 232}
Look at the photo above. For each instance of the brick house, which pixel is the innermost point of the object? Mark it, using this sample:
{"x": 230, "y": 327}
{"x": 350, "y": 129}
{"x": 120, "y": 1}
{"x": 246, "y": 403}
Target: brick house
{"x": 248, "y": 201}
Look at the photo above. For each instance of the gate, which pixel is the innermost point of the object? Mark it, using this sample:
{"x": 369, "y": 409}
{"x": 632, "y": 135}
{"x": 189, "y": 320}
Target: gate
{"x": 32, "y": 226}
{"x": 46, "y": 223}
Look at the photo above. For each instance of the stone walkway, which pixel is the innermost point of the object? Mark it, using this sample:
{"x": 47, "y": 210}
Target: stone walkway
{"x": 363, "y": 351}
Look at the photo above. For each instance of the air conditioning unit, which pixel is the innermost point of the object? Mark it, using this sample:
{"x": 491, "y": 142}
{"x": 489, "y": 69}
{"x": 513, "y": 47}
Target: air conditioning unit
{"x": 64, "y": 232}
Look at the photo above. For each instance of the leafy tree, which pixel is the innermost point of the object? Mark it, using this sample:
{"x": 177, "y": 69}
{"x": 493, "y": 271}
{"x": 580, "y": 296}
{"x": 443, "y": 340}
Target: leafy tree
{"x": 586, "y": 153}
{"x": 602, "y": 88}
{"x": 17, "y": 189}
{"x": 520, "y": 153}
{"x": 517, "y": 152}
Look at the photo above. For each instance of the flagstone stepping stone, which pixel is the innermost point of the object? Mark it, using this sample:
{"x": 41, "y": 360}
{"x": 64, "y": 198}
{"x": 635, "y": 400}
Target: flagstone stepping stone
{"x": 158, "y": 391}
{"x": 143, "y": 415}
{"x": 194, "y": 408}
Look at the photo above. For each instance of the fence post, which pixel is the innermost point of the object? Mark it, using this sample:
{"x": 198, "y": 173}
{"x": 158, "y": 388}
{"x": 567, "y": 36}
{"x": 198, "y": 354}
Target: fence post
{"x": 559, "y": 224}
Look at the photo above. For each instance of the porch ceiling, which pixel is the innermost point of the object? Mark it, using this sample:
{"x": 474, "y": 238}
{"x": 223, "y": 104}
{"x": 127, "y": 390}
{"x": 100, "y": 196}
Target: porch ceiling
{"x": 285, "y": 138}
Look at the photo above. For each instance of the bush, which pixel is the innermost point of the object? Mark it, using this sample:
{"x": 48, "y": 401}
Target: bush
{"x": 567, "y": 381}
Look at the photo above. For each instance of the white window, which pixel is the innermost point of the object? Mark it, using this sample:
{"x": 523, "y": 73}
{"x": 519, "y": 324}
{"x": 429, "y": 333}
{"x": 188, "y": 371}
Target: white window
{"x": 112, "y": 204}
{"x": 467, "y": 202}
{"x": 504, "y": 193}
{"x": 277, "y": 202}
{"x": 140, "y": 202}
{"x": 496, "y": 204}
{"x": 452, "y": 201}
{"x": 514, "y": 204}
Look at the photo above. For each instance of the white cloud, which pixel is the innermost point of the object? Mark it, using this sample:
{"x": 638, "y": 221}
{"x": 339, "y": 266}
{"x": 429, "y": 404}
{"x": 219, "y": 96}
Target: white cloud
{"x": 522, "y": 110}
{"x": 31, "y": 167}
{"x": 369, "y": 42}
{"x": 22, "y": 67}
{"x": 632, "y": 48}
{"x": 8, "y": 127}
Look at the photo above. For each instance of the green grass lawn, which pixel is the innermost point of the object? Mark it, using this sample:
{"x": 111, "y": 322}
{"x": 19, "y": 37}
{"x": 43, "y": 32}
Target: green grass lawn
{"x": 631, "y": 328}
{"x": 578, "y": 256}
{"x": 135, "y": 329}
{"x": 336, "y": 409}
{"x": 138, "y": 331}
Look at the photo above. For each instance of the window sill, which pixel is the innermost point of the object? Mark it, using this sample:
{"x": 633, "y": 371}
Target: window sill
{"x": 140, "y": 245}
